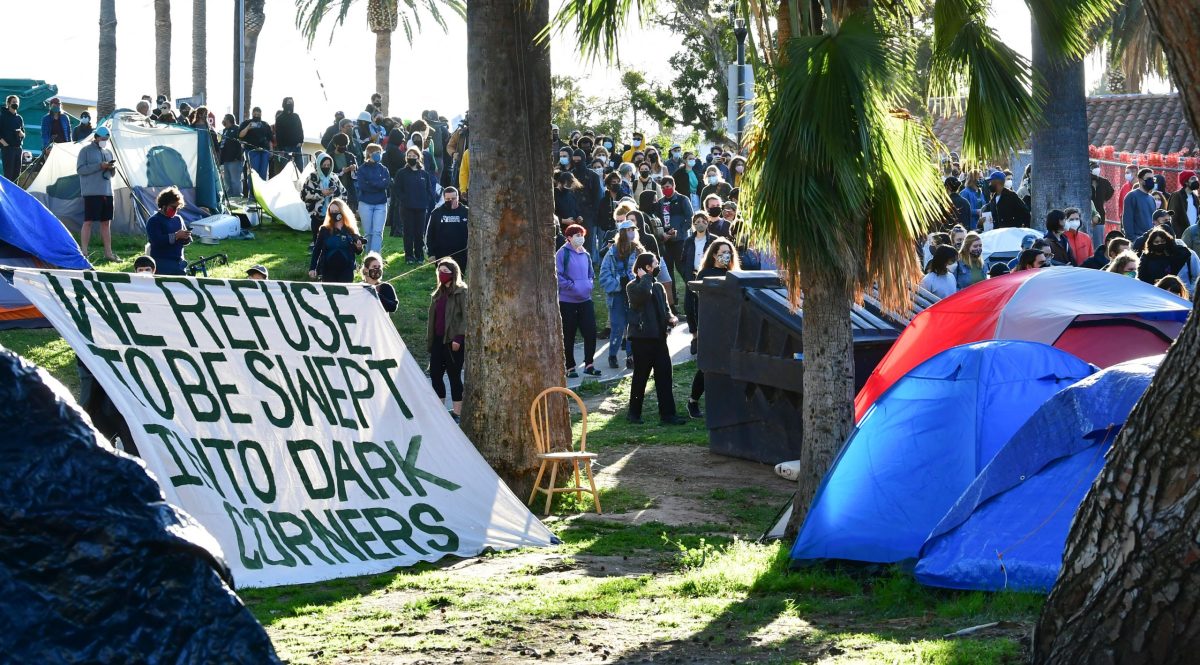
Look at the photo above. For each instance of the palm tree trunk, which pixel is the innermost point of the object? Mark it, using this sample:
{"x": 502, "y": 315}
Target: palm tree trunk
{"x": 200, "y": 49}
{"x": 828, "y": 409}
{"x": 383, "y": 67}
{"x": 162, "y": 47}
{"x": 1130, "y": 585}
{"x": 255, "y": 17}
{"x": 106, "y": 76}
{"x": 1061, "y": 178}
{"x": 514, "y": 342}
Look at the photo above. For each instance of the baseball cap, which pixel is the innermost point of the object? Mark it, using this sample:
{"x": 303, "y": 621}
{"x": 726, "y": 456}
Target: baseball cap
{"x": 260, "y": 269}
{"x": 996, "y": 175}
{"x": 1159, "y": 214}
{"x": 1028, "y": 241}
{"x": 621, "y": 226}
{"x": 102, "y": 132}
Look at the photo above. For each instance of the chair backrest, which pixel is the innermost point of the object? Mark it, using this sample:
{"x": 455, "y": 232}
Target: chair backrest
{"x": 541, "y": 418}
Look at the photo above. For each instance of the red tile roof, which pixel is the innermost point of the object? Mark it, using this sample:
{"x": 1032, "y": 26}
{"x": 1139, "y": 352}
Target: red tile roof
{"x": 1128, "y": 123}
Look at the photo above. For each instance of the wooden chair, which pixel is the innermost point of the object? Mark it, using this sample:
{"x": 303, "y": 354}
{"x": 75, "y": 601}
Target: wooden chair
{"x": 551, "y": 455}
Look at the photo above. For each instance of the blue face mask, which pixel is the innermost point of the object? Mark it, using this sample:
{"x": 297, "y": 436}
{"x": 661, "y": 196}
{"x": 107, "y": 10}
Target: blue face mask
{"x": 376, "y": 157}
{"x": 608, "y": 145}
{"x": 691, "y": 163}
{"x": 563, "y": 160}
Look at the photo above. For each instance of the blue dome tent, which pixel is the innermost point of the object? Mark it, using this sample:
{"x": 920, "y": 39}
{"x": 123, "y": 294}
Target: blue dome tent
{"x": 1009, "y": 528}
{"x": 923, "y": 442}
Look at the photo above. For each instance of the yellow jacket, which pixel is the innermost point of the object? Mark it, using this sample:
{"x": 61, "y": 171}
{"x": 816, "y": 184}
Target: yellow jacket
{"x": 464, "y": 171}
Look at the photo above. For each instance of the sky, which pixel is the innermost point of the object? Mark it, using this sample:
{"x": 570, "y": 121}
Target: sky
{"x": 429, "y": 74}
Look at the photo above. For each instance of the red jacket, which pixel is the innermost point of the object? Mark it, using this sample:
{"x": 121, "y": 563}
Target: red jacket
{"x": 1125, "y": 189}
{"x": 1081, "y": 246}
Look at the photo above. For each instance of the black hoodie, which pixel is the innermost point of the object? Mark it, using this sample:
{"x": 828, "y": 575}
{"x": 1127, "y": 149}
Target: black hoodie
{"x": 393, "y": 154}
{"x": 289, "y": 130}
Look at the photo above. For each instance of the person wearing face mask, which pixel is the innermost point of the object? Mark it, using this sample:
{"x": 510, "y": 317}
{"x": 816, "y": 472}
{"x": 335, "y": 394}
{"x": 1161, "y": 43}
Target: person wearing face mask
{"x": 639, "y": 140}
{"x": 446, "y": 333}
{"x": 1102, "y": 189}
{"x": 1003, "y": 204}
{"x": 737, "y": 169}
{"x": 415, "y": 193}
{"x": 1060, "y": 248}
{"x": 321, "y": 187}
{"x": 676, "y": 212}
{"x": 644, "y": 182}
{"x": 1185, "y": 203}
{"x": 168, "y": 233}
{"x": 566, "y": 198}
{"x": 616, "y": 270}
{"x": 338, "y": 246}
{"x": 95, "y": 165}
{"x": 372, "y": 275}
{"x": 971, "y": 269}
{"x": 606, "y": 211}
{"x": 940, "y": 279}
{"x": 1131, "y": 181}
{"x": 56, "y": 127}
{"x": 687, "y": 181}
{"x": 289, "y": 132}
{"x": 694, "y": 249}
{"x": 959, "y": 213}
{"x": 374, "y": 183}
{"x": 576, "y": 277}
{"x": 1025, "y": 191}
{"x": 717, "y": 225}
{"x": 257, "y": 135}
{"x": 714, "y": 184}
{"x": 1140, "y": 205}
{"x": 563, "y": 162}
{"x": 674, "y": 160}
{"x": 1125, "y": 263}
{"x": 1030, "y": 259}
{"x": 590, "y": 185}
{"x": 650, "y": 321}
{"x": 658, "y": 169}
{"x": 1163, "y": 256}
{"x": 84, "y": 129}
{"x": 625, "y": 172}
{"x": 446, "y": 235}
{"x": 1078, "y": 240}
{"x": 720, "y": 258}
{"x": 233, "y": 163}
{"x": 12, "y": 134}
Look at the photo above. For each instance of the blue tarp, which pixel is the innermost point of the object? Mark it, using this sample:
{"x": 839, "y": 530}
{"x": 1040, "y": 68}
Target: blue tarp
{"x": 1019, "y": 510}
{"x": 923, "y": 442}
{"x": 27, "y": 225}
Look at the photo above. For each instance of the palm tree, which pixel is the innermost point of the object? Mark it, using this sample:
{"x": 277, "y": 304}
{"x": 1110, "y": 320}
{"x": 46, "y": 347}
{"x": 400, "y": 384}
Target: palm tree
{"x": 162, "y": 47}
{"x": 106, "y": 77}
{"x": 1133, "y": 48}
{"x": 1129, "y": 582}
{"x": 199, "y": 48}
{"x": 254, "y": 20}
{"x": 839, "y": 183}
{"x": 383, "y": 17}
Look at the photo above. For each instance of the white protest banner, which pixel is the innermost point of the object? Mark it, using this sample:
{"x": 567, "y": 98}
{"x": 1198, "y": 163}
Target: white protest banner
{"x": 288, "y": 418}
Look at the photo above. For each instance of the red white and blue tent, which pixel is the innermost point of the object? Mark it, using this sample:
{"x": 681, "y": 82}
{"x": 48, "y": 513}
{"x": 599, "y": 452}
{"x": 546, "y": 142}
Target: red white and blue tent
{"x": 1100, "y": 317}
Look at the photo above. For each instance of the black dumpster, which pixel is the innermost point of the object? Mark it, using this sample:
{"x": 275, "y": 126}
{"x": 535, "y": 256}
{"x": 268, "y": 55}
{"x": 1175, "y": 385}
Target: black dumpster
{"x": 751, "y": 355}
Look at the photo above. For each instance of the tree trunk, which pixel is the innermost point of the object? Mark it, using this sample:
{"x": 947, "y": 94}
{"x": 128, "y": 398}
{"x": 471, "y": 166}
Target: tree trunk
{"x": 514, "y": 342}
{"x": 383, "y": 67}
{"x": 828, "y": 410}
{"x": 162, "y": 47}
{"x": 1061, "y": 177}
{"x": 200, "y": 49}
{"x": 255, "y": 17}
{"x": 106, "y": 77}
{"x": 1130, "y": 583}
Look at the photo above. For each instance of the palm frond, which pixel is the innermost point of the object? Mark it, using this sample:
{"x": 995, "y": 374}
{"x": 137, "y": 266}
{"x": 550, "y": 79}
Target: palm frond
{"x": 1133, "y": 45}
{"x": 838, "y": 182}
{"x": 1067, "y": 27}
{"x": 1002, "y": 98}
{"x": 312, "y": 14}
{"x": 598, "y": 25}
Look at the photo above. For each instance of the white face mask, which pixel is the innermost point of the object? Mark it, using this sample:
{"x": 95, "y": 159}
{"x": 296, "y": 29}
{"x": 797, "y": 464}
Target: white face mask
{"x": 1072, "y": 224}
{"x": 1128, "y": 177}
{"x": 712, "y": 179}
{"x": 1008, "y": 184}
{"x": 1096, "y": 172}
{"x": 739, "y": 168}
{"x": 631, "y": 234}
{"x": 577, "y": 241}
{"x": 951, "y": 267}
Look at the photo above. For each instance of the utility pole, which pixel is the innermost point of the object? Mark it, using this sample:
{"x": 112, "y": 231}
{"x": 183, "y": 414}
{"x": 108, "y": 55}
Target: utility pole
{"x": 239, "y": 58}
{"x": 739, "y": 31}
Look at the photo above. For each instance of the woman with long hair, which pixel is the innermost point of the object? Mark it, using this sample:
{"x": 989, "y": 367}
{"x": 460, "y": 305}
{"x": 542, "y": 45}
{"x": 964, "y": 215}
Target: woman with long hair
{"x": 720, "y": 258}
{"x": 445, "y": 333}
{"x": 650, "y": 320}
{"x": 971, "y": 269}
{"x": 338, "y": 245}
{"x": 1173, "y": 284}
{"x": 940, "y": 280}
{"x": 616, "y": 270}
{"x": 372, "y": 275}
{"x": 1125, "y": 263}
{"x": 1030, "y": 259}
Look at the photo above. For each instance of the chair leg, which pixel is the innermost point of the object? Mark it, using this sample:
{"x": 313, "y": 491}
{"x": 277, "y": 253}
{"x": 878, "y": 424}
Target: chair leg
{"x": 553, "y": 482}
{"x": 537, "y": 483}
{"x": 578, "y": 485}
{"x": 587, "y": 469}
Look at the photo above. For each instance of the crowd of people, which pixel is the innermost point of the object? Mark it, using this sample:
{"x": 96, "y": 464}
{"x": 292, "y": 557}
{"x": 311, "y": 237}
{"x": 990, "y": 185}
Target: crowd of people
{"x": 1157, "y": 239}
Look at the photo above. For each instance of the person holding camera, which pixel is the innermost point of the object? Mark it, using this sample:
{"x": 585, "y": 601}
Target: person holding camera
{"x": 168, "y": 233}
{"x": 338, "y": 244}
{"x": 95, "y": 166}
{"x": 650, "y": 320}
{"x": 615, "y": 272}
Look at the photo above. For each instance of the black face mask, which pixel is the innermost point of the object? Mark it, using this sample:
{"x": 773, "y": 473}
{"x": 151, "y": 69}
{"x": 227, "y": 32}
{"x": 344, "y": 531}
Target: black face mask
{"x": 335, "y": 216}
{"x": 713, "y": 212}
{"x": 412, "y": 161}
{"x": 1148, "y": 184}
{"x": 1194, "y": 185}
{"x": 374, "y": 273}
{"x": 644, "y": 174}
{"x": 655, "y": 272}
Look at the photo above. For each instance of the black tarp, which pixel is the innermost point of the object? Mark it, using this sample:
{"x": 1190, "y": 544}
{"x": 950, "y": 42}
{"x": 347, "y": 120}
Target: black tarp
{"x": 95, "y": 565}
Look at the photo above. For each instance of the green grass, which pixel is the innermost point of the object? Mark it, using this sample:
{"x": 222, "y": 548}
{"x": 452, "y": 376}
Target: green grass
{"x": 609, "y": 427}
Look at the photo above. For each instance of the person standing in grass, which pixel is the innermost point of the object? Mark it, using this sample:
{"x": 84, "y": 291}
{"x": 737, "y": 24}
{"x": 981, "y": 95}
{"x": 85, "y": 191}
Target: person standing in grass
{"x": 719, "y": 259}
{"x": 446, "y": 333}
{"x": 372, "y": 275}
{"x": 374, "y": 183}
{"x": 338, "y": 244}
{"x": 650, "y": 319}
{"x": 616, "y": 270}
{"x": 576, "y": 277}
